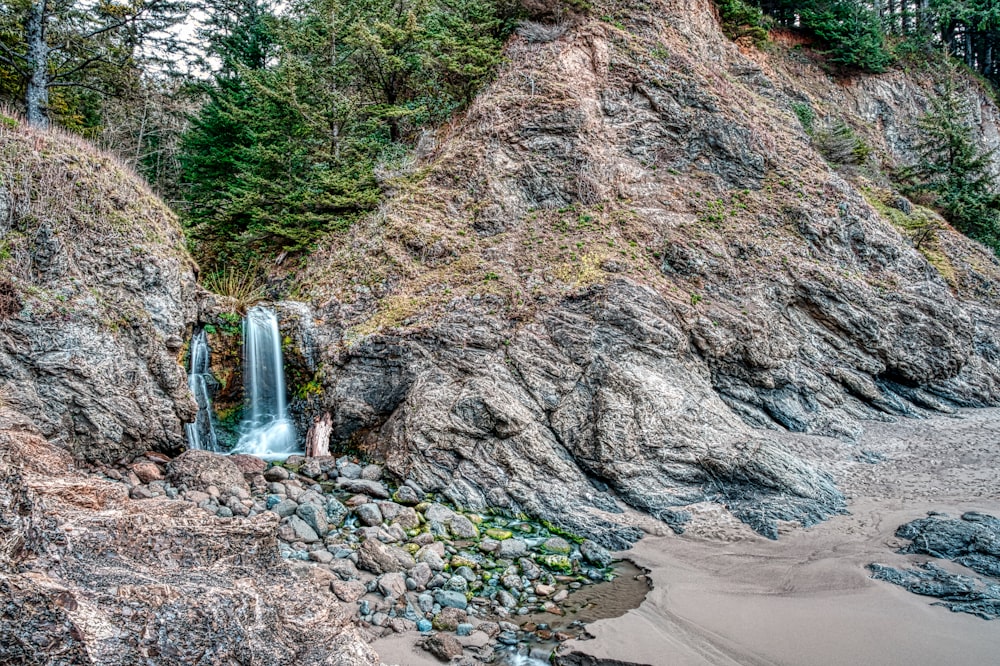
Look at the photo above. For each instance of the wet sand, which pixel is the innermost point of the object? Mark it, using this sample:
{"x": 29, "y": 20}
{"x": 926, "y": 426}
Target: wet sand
{"x": 723, "y": 595}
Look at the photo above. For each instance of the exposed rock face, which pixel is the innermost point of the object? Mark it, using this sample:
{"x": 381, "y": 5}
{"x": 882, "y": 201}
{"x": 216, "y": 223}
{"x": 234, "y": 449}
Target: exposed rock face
{"x": 630, "y": 261}
{"x": 105, "y": 294}
{"x": 973, "y": 541}
{"x": 87, "y": 576}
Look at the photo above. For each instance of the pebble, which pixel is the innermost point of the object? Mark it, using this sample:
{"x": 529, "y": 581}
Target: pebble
{"x": 423, "y": 625}
{"x": 464, "y": 629}
{"x": 450, "y": 599}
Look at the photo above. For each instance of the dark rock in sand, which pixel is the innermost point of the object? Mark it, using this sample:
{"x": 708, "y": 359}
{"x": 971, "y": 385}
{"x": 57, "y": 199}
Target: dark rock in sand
{"x": 959, "y": 594}
{"x": 443, "y": 646}
{"x": 972, "y": 541}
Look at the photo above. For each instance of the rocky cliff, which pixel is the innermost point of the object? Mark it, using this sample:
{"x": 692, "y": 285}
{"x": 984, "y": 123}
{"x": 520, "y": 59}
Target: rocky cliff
{"x": 98, "y": 294}
{"x": 629, "y": 260}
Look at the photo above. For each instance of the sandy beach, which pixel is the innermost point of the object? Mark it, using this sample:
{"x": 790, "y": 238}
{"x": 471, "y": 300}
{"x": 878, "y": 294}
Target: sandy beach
{"x": 723, "y": 595}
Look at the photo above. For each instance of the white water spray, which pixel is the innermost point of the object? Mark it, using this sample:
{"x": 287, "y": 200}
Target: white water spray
{"x": 266, "y": 431}
{"x": 201, "y": 433}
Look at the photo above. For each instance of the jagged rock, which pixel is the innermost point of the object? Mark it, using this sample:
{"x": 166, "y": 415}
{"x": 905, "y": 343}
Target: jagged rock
{"x": 335, "y": 512}
{"x": 392, "y": 585}
{"x": 348, "y": 591}
{"x": 595, "y": 553}
{"x": 315, "y": 517}
{"x": 959, "y": 594}
{"x": 462, "y": 528}
{"x": 421, "y": 574}
{"x": 350, "y": 471}
{"x": 427, "y": 556}
{"x": 449, "y": 618}
{"x": 973, "y": 541}
{"x": 294, "y": 529}
{"x": 230, "y": 577}
{"x": 377, "y": 558}
{"x": 371, "y": 472}
{"x": 407, "y": 496}
{"x": 200, "y": 470}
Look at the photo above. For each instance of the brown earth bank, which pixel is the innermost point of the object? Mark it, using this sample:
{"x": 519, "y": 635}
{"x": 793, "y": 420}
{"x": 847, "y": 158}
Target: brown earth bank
{"x": 723, "y": 595}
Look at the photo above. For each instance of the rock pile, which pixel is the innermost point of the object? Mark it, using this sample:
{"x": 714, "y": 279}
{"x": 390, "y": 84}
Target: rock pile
{"x": 406, "y": 560}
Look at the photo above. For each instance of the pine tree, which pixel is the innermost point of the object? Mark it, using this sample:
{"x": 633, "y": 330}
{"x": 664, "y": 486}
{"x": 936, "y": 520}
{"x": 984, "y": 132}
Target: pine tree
{"x": 954, "y": 170}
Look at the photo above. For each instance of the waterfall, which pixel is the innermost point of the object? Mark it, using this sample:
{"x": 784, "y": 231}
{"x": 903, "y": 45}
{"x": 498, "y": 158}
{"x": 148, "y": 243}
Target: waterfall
{"x": 201, "y": 433}
{"x": 266, "y": 431}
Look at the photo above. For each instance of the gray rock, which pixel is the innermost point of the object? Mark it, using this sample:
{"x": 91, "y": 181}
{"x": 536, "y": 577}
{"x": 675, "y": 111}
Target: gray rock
{"x": 425, "y": 602}
{"x": 363, "y": 486}
{"x": 285, "y": 508}
{"x": 462, "y": 528}
{"x": 335, "y": 512}
{"x": 321, "y": 556}
{"x": 294, "y": 529}
{"x": 347, "y": 591}
{"x": 392, "y": 585}
{"x": 350, "y": 471}
{"x": 450, "y": 599}
{"x": 972, "y": 541}
{"x": 512, "y": 548}
{"x": 595, "y": 553}
{"x": 276, "y": 474}
{"x": 430, "y": 558}
{"x": 465, "y": 572}
{"x": 457, "y": 584}
{"x": 314, "y": 516}
{"x": 371, "y": 472}
{"x": 557, "y": 545}
{"x": 421, "y": 574}
{"x": 369, "y": 514}
{"x": 407, "y": 496}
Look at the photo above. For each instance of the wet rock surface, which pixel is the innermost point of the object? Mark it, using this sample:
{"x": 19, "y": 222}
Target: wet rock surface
{"x": 973, "y": 541}
{"x": 476, "y": 584}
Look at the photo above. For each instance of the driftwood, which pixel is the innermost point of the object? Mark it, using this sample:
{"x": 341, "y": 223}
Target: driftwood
{"x": 318, "y": 437}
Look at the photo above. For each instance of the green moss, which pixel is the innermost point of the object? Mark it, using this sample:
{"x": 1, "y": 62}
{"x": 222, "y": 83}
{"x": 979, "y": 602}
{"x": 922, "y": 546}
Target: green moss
{"x": 499, "y": 534}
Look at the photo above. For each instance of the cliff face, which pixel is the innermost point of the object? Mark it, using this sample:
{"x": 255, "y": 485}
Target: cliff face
{"x": 98, "y": 296}
{"x": 629, "y": 260}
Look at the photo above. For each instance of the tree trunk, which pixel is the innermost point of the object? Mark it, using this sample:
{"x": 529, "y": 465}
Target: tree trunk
{"x": 318, "y": 437}
{"x": 36, "y": 97}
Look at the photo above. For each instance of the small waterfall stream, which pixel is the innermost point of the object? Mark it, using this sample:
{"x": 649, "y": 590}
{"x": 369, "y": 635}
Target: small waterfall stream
{"x": 266, "y": 431}
{"x": 201, "y": 433}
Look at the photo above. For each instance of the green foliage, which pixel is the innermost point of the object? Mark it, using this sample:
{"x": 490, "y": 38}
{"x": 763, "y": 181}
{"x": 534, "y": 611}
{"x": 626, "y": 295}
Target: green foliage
{"x": 852, "y": 33}
{"x": 742, "y": 20}
{"x": 840, "y": 144}
{"x": 954, "y": 171}
{"x": 306, "y": 107}
{"x": 805, "y": 114}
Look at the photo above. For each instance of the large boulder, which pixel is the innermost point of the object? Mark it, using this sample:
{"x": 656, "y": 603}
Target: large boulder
{"x": 100, "y": 294}
{"x": 197, "y": 470}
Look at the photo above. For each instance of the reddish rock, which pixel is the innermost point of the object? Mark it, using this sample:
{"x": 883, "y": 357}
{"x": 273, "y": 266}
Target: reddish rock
{"x": 147, "y": 471}
{"x": 443, "y": 646}
{"x": 248, "y": 464}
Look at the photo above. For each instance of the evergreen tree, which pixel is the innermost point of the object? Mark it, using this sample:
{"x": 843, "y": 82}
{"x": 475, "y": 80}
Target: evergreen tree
{"x": 48, "y": 45}
{"x": 955, "y": 171}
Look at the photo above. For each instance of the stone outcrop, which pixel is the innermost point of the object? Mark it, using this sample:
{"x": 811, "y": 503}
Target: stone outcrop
{"x": 88, "y": 576}
{"x": 630, "y": 261}
{"x": 103, "y": 293}
{"x": 972, "y": 541}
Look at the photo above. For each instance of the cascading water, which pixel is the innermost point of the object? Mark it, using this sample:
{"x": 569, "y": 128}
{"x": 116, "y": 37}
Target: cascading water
{"x": 266, "y": 431}
{"x": 201, "y": 433}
